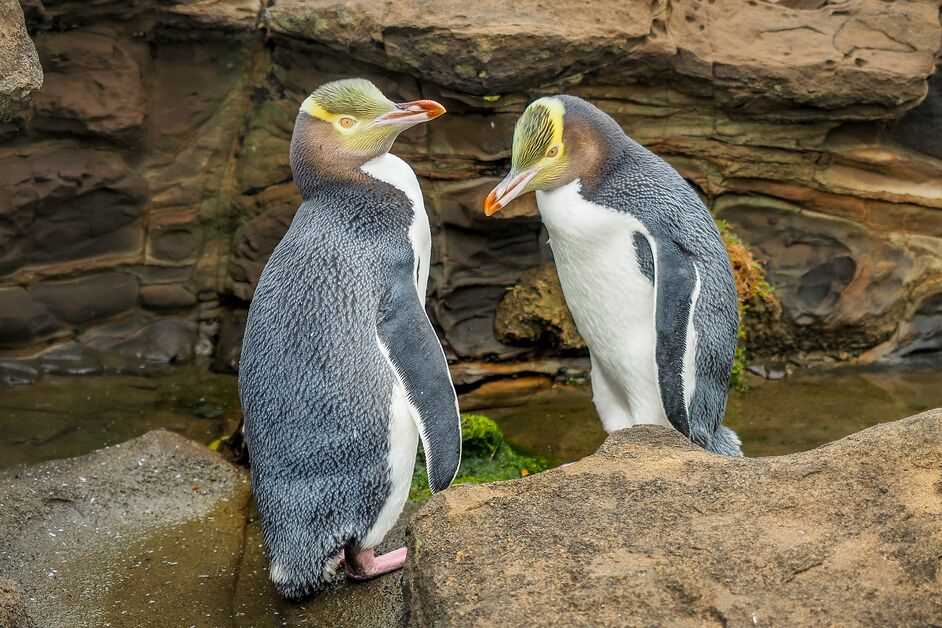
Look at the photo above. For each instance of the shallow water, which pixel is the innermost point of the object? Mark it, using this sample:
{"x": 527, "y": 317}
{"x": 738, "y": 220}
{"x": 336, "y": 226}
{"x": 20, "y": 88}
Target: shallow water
{"x": 68, "y": 416}
{"x": 60, "y": 417}
{"x": 808, "y": 409}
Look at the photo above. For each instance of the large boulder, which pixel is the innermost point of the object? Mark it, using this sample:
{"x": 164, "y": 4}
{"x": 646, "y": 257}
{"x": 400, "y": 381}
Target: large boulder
{"x": 652, "y": 531}
{"x": 20, "y": 72}
{"x": 808, "y": 53}
{"x": 146, "y": 533}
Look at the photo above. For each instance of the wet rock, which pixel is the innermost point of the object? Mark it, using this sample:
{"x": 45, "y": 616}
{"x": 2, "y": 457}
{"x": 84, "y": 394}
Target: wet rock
{"x": 375, "y": 604}
{"x": 12, "y": 606}
{"x": 90, "y": 298}
{"x": 504, "y": 392}
{"x": 70, "y": 358}
{"x": 921, "y": 128}
{"x": 168, "y": 341}
{"x": 20, "y": 71}
{"x": 169, "y": 296}
{"x": 653, "y": 531}
{"x": 138, "y": 342}
{"x": 145, "y": 533}
{"x": 18, "y": 372}
{"x": 465, "y": 374}
{"x": 922, "y": 333}
{"x": 24, "y": 319}
{"x": 229, "y": 345}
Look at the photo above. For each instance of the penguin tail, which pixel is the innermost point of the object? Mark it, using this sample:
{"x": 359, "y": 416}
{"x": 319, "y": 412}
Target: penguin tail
{"x": 725, "y": 442}
{"x": 300, "y": 581}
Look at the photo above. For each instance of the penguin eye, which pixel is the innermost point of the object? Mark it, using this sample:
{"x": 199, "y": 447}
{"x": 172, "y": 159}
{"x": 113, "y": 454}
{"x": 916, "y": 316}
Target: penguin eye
{"x": 553, "y": 151}
{"x": 347, "y": 122}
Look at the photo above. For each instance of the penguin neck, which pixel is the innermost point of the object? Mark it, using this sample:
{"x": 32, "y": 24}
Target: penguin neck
{"x": 602, "y": 145}
{"x": 319, "y": 161}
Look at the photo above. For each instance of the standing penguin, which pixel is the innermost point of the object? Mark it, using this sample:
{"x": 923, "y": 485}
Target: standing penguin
{"x": 642, "y": 266}
{"x": 341, "y": 371}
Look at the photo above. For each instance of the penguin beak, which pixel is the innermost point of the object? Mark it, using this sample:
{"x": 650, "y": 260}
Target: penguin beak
{"x": 507, "y": 190}
{"x": 410, "y": 113}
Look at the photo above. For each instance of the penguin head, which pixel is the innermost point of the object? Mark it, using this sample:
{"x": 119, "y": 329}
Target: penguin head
{"x": 348, "y": 122}
{"x": 555, "y": 142}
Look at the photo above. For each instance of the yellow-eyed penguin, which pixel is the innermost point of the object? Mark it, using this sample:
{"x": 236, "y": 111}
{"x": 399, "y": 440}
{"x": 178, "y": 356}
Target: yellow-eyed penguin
{"x": 341, "y": 371}
{"x": 642, "y": 266}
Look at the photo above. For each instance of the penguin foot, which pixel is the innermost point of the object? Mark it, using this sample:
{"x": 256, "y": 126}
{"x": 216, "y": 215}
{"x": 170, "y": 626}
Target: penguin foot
{"x": 366, "y": 565}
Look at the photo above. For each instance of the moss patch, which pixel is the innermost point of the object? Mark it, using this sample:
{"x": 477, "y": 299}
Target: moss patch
{"x": 486, "y": 457}
{"x": 754, "y": 293}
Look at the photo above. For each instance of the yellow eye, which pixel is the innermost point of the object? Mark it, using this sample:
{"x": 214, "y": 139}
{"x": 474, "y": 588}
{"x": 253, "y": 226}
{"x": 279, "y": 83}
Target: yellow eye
{"x": 347, "y": 122}
{"x": 553, "y": 151}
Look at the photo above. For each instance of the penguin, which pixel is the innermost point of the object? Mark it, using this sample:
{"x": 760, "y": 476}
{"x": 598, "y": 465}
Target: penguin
{"x": 341, "y": 372}
{"x": 642, "y": 266}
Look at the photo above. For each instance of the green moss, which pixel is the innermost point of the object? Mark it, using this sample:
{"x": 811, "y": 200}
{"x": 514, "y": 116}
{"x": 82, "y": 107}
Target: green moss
{"x": 486, "y": 457}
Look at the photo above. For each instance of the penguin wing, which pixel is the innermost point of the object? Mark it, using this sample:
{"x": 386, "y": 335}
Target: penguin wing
{"x": 416, "y": 354}
{"x": 676, "y": 284}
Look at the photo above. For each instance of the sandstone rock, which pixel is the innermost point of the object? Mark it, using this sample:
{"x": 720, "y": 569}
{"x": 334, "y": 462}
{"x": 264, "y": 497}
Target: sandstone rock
{"x": 63, "y": 202}
{"x": 504, "y": 392}
{"x": 841, "y": 286}
{"x": 12, "y": 607}
{"x": 24, "y": 319}
{"x": 20, "y": 71}
{"x": 534, "y": 312}
{"x": 174, "y": 168}
{"x": 93, "y": 540}
{"x": 90, "y": 298}
{"x": 114, "y": 109}
{"x": 653, "y": 531}
{"x": 817, "y": 56}
{"x": 170, "y": 297}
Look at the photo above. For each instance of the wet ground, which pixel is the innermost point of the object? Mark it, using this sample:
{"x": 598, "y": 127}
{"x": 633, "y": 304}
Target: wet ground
{"x": 61, "y": 417}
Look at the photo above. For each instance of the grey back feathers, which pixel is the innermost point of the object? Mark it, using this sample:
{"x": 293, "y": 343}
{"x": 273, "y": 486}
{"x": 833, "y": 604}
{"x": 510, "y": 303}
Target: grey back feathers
{"x": 314, "y": 384}
{"x": 688, "y": 250}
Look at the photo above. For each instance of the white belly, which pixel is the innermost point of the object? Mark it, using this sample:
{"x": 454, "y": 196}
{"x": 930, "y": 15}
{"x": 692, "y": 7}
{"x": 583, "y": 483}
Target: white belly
{"x": 612, "y": 303}
{"x": 403, "y": 440}
{"x": 403, "y": 436}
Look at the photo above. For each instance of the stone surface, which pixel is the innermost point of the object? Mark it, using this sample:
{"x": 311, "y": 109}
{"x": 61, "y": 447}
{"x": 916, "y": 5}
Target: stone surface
{"x": 12, "y": 606}
{"x": 123, "y": 536}
{"x": 652, "y": 531}
{"x": 534, "y": 312}
{"x": 90, "y": 298}
{"x": 20, "y": 71}
{"x": 811, "y": 54}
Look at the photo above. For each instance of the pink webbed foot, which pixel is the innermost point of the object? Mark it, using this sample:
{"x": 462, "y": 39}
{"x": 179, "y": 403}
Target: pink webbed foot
{"x": 366, "y": 565}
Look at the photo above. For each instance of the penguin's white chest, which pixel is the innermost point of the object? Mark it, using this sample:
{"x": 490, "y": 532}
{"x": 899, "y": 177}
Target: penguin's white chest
{"x": 612, "y": 303}
{"x": 403, "y": 436}
{"x": 397, "y": 173}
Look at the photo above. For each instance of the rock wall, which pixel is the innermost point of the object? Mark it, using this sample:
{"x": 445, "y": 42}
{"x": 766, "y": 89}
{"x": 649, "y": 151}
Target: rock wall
{"x": 138, "y": 210}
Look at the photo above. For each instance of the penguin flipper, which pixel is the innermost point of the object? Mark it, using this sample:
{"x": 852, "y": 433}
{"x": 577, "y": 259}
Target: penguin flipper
{"x": 675, "y": 283}
{"x": 416, "y": 354}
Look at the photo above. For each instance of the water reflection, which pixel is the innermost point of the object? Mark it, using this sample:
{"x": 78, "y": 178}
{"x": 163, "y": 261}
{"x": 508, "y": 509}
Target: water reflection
{"x": 68, "y": 416}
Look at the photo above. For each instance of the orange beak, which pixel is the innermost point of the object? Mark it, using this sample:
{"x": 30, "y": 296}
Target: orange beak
{"x": 507, "y": 190}
{"x": 410, "y": 113}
